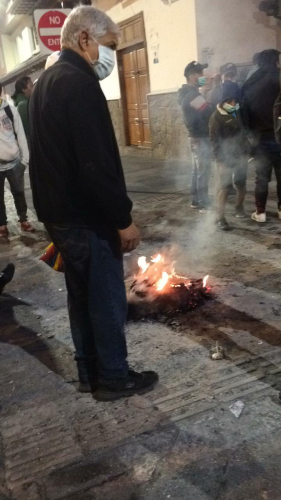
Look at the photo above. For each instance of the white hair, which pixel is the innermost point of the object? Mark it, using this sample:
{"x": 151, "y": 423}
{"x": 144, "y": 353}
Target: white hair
{"x": 86, "y": 18}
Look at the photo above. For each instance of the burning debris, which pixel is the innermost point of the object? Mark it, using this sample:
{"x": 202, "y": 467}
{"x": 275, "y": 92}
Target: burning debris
{"x": 158, "y": 290}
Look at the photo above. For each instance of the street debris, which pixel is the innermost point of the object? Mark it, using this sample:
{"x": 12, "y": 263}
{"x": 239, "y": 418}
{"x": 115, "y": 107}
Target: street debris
{"x": 217, "y": 352}
{"x": 237, "y": 408}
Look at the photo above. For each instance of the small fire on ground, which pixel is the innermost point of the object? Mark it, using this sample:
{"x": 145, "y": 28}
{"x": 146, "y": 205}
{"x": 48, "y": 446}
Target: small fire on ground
{"x": 158, "y": 289}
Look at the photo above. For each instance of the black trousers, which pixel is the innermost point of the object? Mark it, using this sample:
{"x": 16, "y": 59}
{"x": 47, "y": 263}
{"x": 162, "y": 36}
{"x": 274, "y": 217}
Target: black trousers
{"x": 267, "y": 158}
{"x": 15, "y": 177}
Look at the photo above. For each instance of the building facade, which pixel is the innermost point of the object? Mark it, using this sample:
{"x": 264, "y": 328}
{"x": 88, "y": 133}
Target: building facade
{"x": 157, "y": 39}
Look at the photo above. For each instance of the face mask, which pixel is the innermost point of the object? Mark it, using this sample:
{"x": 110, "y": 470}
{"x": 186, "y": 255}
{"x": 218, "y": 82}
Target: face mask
{"x": 103, "y": 67}
{"x": 201, "y": 81}
{"x": 229, "y": 108}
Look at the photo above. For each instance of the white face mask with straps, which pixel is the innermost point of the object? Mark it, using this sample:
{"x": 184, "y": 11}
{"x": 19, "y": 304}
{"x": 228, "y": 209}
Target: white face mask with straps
{"x": 103, "y": 67}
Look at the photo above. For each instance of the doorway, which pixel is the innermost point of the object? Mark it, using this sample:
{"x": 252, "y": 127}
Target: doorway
{"x": 134, "y": 82}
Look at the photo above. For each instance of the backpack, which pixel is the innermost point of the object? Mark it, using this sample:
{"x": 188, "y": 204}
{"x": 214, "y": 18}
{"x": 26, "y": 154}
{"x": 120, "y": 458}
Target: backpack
{"x": 10, "y": 115}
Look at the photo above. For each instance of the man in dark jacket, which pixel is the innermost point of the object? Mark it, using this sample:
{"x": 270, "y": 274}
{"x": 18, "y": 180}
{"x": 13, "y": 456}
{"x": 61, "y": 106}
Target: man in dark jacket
{"x": 80, "y": 194}
{"x": 231, "y": 148}
{"x": 259, "y": 94}
{"x": 196, "y": 112}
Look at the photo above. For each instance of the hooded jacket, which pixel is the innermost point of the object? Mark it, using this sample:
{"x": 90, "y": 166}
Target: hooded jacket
{"x": 21, "y": 103}
{"x": 228, "y": 139}
{"x": 75, "y": 167}
{"x": 259, "y": 94}
{"x": 12, "y": 149}
{"x": 196, "y": 111}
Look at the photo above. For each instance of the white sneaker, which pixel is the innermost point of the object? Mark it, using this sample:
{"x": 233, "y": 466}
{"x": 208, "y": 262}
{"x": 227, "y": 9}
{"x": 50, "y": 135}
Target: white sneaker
{"x": 259, "y": 217}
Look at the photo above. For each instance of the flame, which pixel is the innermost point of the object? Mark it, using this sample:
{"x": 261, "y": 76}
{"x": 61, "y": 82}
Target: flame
{"x": 163, "y": 273}
{"x": 157, "y": 259}
{"x": 162, "y": 282}
{"x": 143, "y": 265}
{"x": 205, "y": 281}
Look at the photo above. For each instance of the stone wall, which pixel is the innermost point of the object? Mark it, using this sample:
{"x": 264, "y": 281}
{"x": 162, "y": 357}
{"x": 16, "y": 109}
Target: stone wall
{"x": 168, "y": 133}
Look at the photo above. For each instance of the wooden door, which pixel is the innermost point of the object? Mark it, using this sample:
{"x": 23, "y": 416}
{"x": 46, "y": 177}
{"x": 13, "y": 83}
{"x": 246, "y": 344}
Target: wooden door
{"x": 136, "y": 88}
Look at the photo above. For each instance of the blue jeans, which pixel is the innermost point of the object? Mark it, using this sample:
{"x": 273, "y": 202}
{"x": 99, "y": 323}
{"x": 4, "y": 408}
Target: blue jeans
{"x": 201, "y": 158}
{"x": 97, "y": 302}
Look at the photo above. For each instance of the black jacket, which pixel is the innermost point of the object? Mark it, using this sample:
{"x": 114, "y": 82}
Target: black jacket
{"x": 259, "y": 94}
{"x": 277, "y": 119}
{"x": 227, "y": 136}
{"x": 75, "y": 168}
{"x": 196, "y": 111}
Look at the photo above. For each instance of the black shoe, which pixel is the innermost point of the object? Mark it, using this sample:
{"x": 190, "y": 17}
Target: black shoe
{"x": 223, "y": 224}
{"x": 6, "y": 276}
{"x": 134, "y": 383}
{"x": 240, "y": 213}
{"x": 195, "y": 205}
{"x": 87, "y": 387}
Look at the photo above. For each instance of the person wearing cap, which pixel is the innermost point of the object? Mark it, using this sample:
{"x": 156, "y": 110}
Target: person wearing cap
{"x": 259, "y": 94}
{"x": 228, "y": 73}
{"x": 230, "y": 147}
{"x": 196, "y": 112}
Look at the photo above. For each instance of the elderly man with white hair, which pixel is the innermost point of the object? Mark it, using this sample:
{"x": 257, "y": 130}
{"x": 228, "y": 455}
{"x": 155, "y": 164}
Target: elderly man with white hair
{"x": 80, "y": 195}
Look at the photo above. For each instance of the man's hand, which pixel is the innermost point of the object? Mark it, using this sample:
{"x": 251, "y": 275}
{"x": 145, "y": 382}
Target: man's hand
{"x": 130, "y": 238}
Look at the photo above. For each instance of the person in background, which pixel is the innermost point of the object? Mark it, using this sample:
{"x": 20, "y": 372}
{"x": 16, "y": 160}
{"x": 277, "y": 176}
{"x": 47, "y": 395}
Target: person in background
{"x": 228, "y": 73}
{"x": 259, "y": 94}
{"x": 255, "y": 66}
{"x": 231, "y": 148}
{"x": 196, "y": 112}
{"x": 6, "y": 276}
{"x": 23, "y": 91}
{"x": 14, "y": 158}
{"x": 79, "y": 192}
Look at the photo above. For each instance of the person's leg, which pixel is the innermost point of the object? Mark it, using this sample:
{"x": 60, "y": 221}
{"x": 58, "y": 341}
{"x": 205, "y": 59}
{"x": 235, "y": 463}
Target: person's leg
{"x": 73, "y": 243}
{"x": 3, "y": 215}
{"x": 15, "y": 177}
{"x": 94, "y": 274}
{"x": 276, "y": 161}
{"x": 263, "y": 177}
{"x": 240, "y": 180}
{"x": 193, "y": 190}
{"x": 203, "y": 171}
{"x": 221, "y": 203}
{"x": 225, "y": 181}
{"x": 108, "y": 306}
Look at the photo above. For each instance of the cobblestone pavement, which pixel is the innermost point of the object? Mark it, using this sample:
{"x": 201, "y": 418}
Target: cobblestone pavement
{"x": 181, "y": 441}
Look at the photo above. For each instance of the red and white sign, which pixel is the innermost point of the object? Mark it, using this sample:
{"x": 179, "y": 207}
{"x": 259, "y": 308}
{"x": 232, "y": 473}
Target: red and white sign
{"x": 49, "y": 24}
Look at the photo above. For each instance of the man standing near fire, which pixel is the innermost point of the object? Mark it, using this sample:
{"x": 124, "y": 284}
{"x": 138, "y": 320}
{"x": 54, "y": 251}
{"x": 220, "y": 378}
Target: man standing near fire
{"x": 80, "y": 194}
{"x": 196, "y": 112}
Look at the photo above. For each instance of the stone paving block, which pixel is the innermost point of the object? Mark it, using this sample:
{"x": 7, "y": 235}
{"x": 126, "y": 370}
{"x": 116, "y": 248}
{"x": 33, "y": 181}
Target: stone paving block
{"x": 99, "y": 468}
